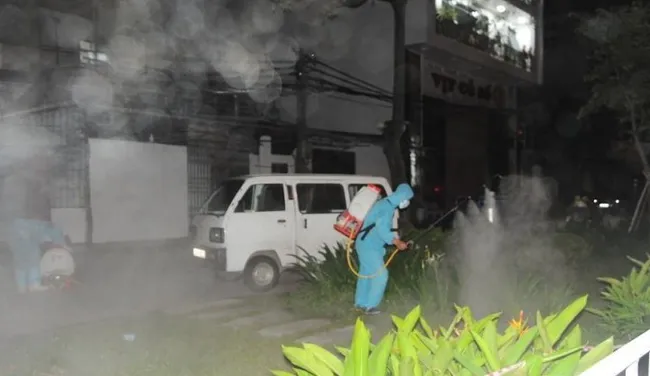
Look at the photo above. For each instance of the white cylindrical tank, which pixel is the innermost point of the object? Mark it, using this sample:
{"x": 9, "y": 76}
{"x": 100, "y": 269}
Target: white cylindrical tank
{"x": 350, "y": 222}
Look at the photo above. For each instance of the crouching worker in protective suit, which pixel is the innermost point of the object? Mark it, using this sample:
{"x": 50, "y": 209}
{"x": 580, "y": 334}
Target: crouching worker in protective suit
{"x": 27, "y": 207}
{"x": 370, "y": 247}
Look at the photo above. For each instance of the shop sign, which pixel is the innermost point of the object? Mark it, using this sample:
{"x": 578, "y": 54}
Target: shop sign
{"x": 463, "y": 89}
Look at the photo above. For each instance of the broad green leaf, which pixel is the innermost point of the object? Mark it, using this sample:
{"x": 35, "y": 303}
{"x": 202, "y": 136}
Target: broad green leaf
{"x": 543, "y": 334}
{"x": 342, "y": 350}
{"x": 595, "y": 355}
{"x": 519, "y": 348}
{"x": 568, "y": 365}
{"x": 430, "y": 343}
{"x": 490, "y": 337}
{"x": 468, "y": 317}
{"x": 556, "y": 328}
{"x": 510, "y": 335}
{"x": 490, "y": 356}
{"x": 303, "y": 359}
{"x": 282, "y": 373}
{"x": 302, "y": 372}
{"x": 534, "y": 365}
{"x": 426, "y": 327}
{"x": 332, "y": 361}
{"x": 416, "y": 340}
{"x": 464, "y": 341}
{"x": 411, "y": 320}
{"x": 394, "y": 364}
{"x": 398, "y": 322}
{"x": 443, "y": 357}
{"x": 356, "y": 363}
{"x": 406, "y": 367}
{"x": 562, "y": 354}
{"x": 378, "y": 360}
{"x": 610, "y": 281}
{"x": 407, "y": 350}
{"x": 469, "y": 364}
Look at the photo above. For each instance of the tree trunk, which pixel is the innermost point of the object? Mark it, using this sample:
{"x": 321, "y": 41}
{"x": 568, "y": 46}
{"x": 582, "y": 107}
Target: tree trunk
{"x": 395, "y": 128}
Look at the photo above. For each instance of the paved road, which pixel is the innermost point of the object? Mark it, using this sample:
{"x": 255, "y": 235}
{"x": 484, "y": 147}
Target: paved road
{"x": 120, "y": 280}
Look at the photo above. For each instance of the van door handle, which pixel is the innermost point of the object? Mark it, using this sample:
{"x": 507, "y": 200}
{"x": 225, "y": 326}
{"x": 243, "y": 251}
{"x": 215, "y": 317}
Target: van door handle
{"x": 304, "y": 223}
{"x": 282, "y": 220}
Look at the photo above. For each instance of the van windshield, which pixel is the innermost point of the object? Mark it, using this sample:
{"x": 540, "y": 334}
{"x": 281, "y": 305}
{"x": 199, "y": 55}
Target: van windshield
{"x": 223, "y": 196}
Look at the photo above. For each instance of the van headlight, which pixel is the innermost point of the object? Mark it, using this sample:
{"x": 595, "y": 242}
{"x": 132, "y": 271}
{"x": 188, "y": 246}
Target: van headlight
{"x": 216, "y": 235}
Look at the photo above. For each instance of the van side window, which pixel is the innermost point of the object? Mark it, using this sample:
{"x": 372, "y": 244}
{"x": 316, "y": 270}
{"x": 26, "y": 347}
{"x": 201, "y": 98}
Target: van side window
{"x": 353, "y": 189}
{"x": 262, "y": 198}
{"x": 320, "y": 198}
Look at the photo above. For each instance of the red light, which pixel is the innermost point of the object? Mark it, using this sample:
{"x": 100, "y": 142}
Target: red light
{"x": 437, "y": 189}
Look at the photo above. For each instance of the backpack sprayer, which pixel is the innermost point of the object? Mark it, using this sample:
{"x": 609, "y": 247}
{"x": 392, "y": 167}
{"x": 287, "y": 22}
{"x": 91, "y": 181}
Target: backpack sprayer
{"x": 350, "y": 224}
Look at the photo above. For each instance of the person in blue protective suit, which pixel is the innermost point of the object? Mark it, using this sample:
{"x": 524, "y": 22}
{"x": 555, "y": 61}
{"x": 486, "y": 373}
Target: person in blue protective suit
{"x": 370, "y": 246}
{"x": 27, "y": 207}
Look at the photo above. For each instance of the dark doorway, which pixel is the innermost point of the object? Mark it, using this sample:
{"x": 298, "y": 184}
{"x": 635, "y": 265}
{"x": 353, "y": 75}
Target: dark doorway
{"x": 326, "y": 161}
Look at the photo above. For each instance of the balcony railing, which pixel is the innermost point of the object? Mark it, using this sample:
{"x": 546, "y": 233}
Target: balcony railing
{"x": 626, "y": 361}
{"x": 499, "y": 49}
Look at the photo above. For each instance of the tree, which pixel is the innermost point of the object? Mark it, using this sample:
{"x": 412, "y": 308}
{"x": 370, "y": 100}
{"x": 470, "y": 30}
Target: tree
{"x": 620, "y": 74}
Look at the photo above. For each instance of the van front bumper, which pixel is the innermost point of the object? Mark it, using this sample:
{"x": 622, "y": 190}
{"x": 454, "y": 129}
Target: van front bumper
{"x": 215, "y": 255}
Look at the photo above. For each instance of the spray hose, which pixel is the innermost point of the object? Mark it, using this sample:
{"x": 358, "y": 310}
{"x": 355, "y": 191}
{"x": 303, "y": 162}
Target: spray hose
{"x": 350, "y": 245}
{"x": 348, "y": 251}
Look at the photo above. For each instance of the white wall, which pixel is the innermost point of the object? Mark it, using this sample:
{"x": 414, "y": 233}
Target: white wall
{"x": 360, "y": 43}
{"x": 371, "y": 160}
{"x": 138, "y": 191}
{"x": 72, "y": 221}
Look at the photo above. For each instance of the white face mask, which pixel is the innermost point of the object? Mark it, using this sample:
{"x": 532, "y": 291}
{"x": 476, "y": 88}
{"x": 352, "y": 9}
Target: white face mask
{"x": 404, "y": 204}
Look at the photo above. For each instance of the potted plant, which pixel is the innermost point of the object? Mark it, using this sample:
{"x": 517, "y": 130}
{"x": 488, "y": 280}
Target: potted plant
{"x": 447, "y": 21}
{"x": 523, "y": 59}
{"x": 496, "y": 46}
{"x": 481, "y": 30}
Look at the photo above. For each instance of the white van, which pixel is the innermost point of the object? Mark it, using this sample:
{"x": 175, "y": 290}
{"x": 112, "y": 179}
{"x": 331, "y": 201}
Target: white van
{"x": 257, "y": 224}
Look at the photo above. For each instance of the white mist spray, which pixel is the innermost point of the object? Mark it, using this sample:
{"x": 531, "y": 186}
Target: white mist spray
{"x": 501, "y": 242}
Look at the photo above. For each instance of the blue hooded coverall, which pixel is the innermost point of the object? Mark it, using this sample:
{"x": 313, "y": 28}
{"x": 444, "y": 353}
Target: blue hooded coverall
{"x": 370, "y": 247}
{"x": 26, "y": 205}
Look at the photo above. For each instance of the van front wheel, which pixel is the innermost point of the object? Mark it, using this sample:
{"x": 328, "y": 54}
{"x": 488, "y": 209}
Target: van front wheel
{"x": 261, "y": 274}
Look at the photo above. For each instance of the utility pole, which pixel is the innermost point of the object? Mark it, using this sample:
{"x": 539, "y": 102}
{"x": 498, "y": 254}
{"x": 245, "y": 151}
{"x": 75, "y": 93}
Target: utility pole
{"x": 395, "y": 128}
{"x": 303, "y": 150}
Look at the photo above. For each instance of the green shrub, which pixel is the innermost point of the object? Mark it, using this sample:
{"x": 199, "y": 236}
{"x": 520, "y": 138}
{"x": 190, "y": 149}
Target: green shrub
{"x": 330, "y": 267}
{"x": 573, "y": 247}
{"x": 329, "y": 283}
{"x": 467, "y": 347}
{"x": 627, "y": 302}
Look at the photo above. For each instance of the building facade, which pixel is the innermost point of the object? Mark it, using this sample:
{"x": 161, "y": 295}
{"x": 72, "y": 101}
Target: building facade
{"x": 466, "y": 61}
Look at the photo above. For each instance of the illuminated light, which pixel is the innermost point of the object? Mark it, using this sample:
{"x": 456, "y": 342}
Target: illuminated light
{"x": 475, "y": 14}
{"x": 491, "y": 215}
{"x": 501, "y": 8}
{"x": 437, "y": 189}
{"x": 617, "y": 201}
{"x": 603, "y": 205}
{"x": 595, "y": 201}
